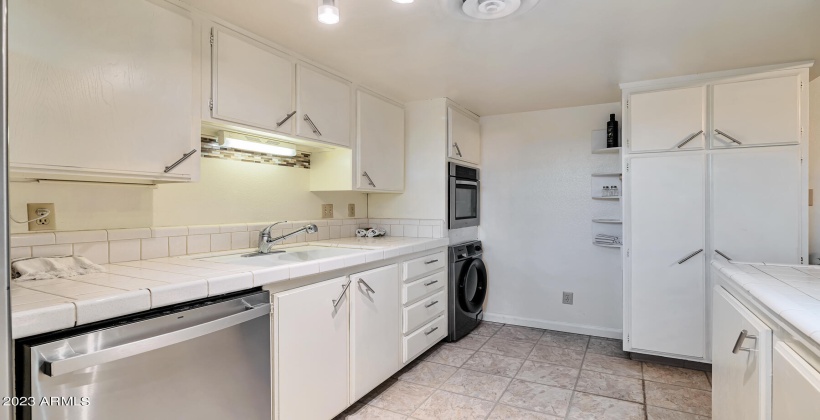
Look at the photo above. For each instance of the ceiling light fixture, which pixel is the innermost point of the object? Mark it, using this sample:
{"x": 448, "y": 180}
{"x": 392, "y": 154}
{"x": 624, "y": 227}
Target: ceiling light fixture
{"x": 328, "y": 12}
{"x": 403, "y": 1}
{"x": 239, "y": 141}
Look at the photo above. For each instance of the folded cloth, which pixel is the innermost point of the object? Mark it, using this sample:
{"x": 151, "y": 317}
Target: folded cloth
{"x": 361, "y": 233}
{"x": 49, "y": 268}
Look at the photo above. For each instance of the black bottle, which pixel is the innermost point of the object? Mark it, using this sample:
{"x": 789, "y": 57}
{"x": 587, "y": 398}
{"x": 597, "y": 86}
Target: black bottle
{"x": 612, "y": 132}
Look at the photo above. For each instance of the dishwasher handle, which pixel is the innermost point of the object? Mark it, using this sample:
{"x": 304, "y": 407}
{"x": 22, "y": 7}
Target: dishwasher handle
{"x": 70, "y": 364}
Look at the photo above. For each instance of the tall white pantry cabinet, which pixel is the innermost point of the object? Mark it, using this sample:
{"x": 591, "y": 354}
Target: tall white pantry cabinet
{"x": 715, "y": 166}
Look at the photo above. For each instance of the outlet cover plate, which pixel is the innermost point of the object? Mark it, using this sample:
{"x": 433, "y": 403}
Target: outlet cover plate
{"x": 48, "y": 223}
{"x": 351, "y": 210}
{"x": 327, "y": 211}
{"x": 567, "y": 299}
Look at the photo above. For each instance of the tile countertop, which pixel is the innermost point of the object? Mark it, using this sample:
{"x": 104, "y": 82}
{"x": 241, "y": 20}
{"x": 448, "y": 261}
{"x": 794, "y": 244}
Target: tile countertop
{"x": 788, "y": 292}
{"x": 40, "y": 306}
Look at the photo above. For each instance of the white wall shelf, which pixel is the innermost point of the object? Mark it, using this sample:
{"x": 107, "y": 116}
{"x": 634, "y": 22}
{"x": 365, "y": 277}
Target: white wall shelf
{"x": 608, "y": 221}
{"x": 606, "y": 174}
{"x": 595, "y": 197}
{"x": 606, "y": 150}
{"x": 607, "y": 246}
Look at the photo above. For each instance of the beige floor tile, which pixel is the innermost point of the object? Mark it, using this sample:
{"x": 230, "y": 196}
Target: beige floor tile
{"x": 565, "y": 340}
{"x": 378, "y": 390}
{"x": 509, "y": 348}
{"x": 428, "y": 374}
{"x": 402, "y": 397}
{"x": 450, "y": 355}
{"x": 548, "y": 374}
{"x": 676, "y": 376}
{"x": 594, "y": 407}
{"x": 607, "y": 347}
{"x": 678, "y": 398}
{"x": 471, "y": 341}
{"x": 657, "y": 413}
{"x": 477, "y": 384}
{"x": 506, "y": 412}
{"x": 557, "y": 355}
{"x": 368, "y": 412}
{"x": 494, "y": 364}
{"x": 619, "y": 387}
{"x": 514, "y": 332}
{"x": 487, "y": 328}
{"x": 612, "y": 365}
{"x": 537, "y": 397}
{"x": 445, "y": 405}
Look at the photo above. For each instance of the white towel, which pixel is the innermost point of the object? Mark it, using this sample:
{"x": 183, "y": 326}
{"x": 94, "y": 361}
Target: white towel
{"x": 361, "y": 233}
{"x": 50, "y": 268}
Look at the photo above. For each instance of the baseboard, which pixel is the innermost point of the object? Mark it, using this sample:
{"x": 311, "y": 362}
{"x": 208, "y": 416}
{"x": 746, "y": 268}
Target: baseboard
{"x": 556, "y": 326}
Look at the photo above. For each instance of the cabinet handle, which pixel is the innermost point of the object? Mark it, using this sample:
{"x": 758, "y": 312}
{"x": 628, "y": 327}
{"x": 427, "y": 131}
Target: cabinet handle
{"x": 313, "y": 126}
{"x": 728, "y": 136}
{"x": 431, "y": 282}
{"x": 369, "y": 180}
{"x": 740, "y": 339}
{"x": 458, "y": 149}
{"x": 431, "y": 331}
{"x": 367, "y": 286}
{"x": 284, "y": 120}
{"x": 723, "y": 255}
{"x": 431, "y": 304}
{"x": 339, "y": 299}
{"x": 430, "y": 262}
{"x": 686, "y": 258}
{"x": 171, "y": 167}
{"x": 690, "y": 138}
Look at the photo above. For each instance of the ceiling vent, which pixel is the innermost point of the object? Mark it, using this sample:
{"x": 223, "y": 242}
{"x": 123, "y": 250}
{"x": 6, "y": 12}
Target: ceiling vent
{"x": 490, "y": 9}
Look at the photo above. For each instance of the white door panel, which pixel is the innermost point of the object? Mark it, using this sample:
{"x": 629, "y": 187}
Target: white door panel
{"x": 380, "y": 144}
{"x": 664, "y": 120}
{"x": 325, "y": 100}
{"x": 463, "y": 137}
{"x": 795, "y": 387}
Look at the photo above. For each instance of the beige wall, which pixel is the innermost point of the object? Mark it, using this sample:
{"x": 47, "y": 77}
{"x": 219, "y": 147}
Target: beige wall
{"x": 228, "y": 192}
{"x": 814, "y": 166}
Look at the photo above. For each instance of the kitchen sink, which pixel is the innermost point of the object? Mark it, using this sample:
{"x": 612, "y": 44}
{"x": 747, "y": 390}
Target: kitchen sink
{"x": 291, "y": 255}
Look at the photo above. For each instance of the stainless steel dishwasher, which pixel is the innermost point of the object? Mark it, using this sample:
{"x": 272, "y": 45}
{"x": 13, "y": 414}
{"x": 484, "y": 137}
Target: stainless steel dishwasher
{"x": 209, "y": 359}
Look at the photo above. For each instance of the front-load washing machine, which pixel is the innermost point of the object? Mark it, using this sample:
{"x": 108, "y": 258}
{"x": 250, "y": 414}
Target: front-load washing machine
{"x": 467, "y": 289}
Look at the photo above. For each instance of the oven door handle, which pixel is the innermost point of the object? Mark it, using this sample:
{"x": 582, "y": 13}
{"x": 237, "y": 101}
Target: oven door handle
{"x": 82, "y": 361}
{"x": 460, "y": 182}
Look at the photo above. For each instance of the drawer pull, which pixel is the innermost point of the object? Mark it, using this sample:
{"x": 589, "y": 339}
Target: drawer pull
{"x": 431, "y": 304}
{"x": 740, "y": 339}
{"x": 431, "y": 331}
{"x": 431, "y": 261}
{"x": 431, "y": 282}
{"x": 367, "y": 286}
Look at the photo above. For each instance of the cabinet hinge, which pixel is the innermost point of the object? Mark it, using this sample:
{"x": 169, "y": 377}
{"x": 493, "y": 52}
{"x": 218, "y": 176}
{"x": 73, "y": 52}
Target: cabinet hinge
{"x": 212, "y": 36}
{"x": 627, "y": 338}
{"x": 627, "y": 253}
{"x": 627, "y": 166}
{"x": 627, "y": 104}
{"x": 211, "y": 104}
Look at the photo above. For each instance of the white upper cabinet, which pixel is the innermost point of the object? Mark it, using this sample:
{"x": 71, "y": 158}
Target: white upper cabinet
{"x": 323, "y": 106}
{"x": 756, "y": 204}
{"x": 463, "y": 137}
{"x": 252, "y": 83}
{"x": 380, "y": 144}
{"x": 757, "y": 112}
{"x": 102, "y": 90}
{"x": 667, "y": 120}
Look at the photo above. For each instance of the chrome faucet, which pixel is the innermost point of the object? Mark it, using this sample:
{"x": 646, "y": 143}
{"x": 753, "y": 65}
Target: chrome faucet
{"x": 266, "y": 242}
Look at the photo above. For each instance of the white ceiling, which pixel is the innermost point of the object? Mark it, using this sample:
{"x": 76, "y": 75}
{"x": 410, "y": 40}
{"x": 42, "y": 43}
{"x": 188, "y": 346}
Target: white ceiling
{"x": 561, "y": 53}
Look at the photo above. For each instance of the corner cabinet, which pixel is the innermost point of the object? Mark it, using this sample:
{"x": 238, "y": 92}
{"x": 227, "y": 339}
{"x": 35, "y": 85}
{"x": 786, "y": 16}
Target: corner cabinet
{"x": 115, "y": 107}
{"x": 463, "y": 136}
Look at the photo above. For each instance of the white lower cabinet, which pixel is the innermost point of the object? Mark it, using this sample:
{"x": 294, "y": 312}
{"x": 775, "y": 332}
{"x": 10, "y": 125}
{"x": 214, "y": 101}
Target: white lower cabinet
{"x": 311, "y": 351}
{"x": 741, "y": 361}
{"x": 416, "y": 343}
{"x": 374, "y": 328}
{"x": 795, "y": 388}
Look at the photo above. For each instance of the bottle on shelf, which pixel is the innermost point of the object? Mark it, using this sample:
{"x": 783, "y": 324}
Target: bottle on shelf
{"x": 605, "y": 192}
{"x": 614, "y": 191}
{"x": 612, "y": 139}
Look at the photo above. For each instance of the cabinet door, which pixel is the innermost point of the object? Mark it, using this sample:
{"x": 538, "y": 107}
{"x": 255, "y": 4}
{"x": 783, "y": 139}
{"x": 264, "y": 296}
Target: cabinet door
{"x": 463, "y": 137}
{"x": 252, "y": 84}
{"x": 795, "y": 386}
{"x": 667, "y": 120}
{"x": 323, "y": 105}
{"x": 380, "y": 144}
{"x": 311, "y": 351}
{"x": 100, "y": 87}
{"x": 374, "y": 328}
{"x": 667, "y": 298}
{"x": 757, "y": 112}
{"x": 741, "y": 379}
{"x": 756, "y": 204}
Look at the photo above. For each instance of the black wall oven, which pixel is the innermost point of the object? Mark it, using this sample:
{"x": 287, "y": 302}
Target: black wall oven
{"x": 464, "y": 196}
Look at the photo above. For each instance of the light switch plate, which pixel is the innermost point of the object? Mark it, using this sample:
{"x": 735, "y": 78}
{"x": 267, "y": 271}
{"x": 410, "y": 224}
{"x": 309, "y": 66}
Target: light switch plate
{"x": 35, "y": 210}
{"x": 327, "y": 211}
{"x": 567, "y": 299}
{"x": 351, "y": 210}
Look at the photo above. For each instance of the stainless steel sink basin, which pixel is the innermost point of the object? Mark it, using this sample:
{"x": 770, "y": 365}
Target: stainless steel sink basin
{"x": 291, "y": 255}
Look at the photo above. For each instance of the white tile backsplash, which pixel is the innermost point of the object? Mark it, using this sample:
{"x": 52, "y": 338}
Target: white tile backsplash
{"x": 203, "y": 229}
{"x": 121, "y": 251}
{"x": 31, "y": 239}
{"x": 220, "y": 242}
{"x": 51, "y": 250}
{"x": 97, "y": 252}
{"x": 20, "y": 252}
{"x": 154, "y": 248}
{"x": 122, "y": 234}
{"x": 198, "y": 244}
{"x": 240, "y": 240}
{"x": 177, "y": 245}
{"x": 81, "y": 236}
{"x": 238, "y": 227}
{"x": 159, "y": 232}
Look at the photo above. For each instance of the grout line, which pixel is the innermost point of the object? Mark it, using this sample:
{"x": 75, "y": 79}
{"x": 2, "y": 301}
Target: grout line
{"x": 580, "y": 368}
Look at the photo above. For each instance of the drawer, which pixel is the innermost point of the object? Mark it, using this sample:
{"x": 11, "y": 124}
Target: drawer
{"x": 421, "y": 340}
{"x": 424, "y": 265}
{"x": 423, "y": 287}
{"x": 423, "y": 311}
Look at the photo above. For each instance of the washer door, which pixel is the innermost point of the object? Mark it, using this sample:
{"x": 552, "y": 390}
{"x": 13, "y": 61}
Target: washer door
{"x": 472, "y": 285}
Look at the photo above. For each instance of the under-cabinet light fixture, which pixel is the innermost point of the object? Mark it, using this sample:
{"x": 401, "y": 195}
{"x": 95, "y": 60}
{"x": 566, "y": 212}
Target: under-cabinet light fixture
{"x": 239, "y": 141}
{"x": 328, "y": 12}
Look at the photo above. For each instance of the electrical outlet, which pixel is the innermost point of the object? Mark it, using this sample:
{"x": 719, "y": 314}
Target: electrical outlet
{"x": 327, "y": 211}
{"x": 351, "y": 210}
{"x": 567, "y": 300}
{"x": 36, "y": 211}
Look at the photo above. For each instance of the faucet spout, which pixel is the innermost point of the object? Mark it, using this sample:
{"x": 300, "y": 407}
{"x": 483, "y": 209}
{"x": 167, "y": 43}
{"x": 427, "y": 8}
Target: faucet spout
{"x": 266, "y": 242}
